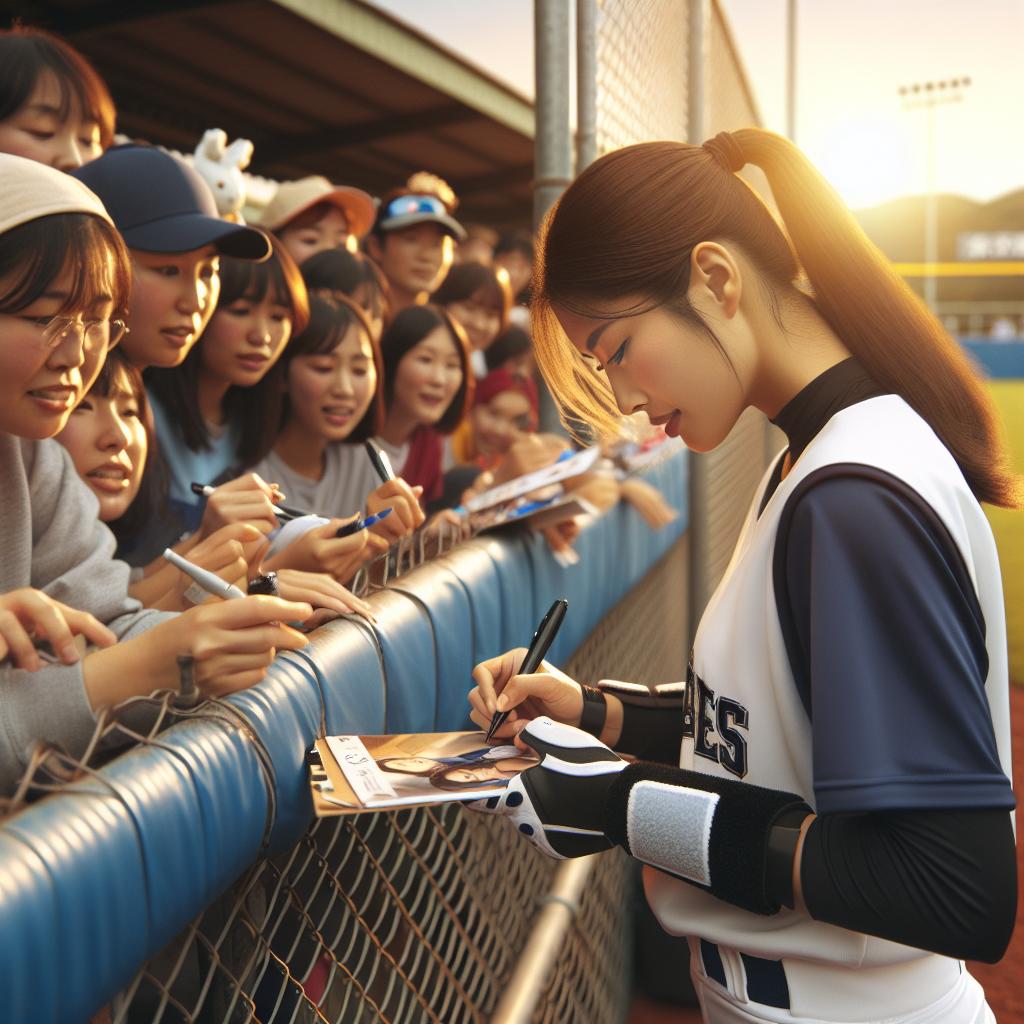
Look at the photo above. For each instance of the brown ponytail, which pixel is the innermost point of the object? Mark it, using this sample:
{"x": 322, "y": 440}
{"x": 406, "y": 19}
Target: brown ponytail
{"x": 628, "y": 225}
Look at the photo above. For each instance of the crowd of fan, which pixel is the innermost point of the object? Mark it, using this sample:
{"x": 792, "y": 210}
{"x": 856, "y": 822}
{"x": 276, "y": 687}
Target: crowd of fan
{"x": 164, "y": 347}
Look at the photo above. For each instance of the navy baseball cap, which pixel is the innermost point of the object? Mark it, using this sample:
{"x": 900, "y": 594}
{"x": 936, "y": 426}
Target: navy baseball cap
{"x": 160, "y": 204}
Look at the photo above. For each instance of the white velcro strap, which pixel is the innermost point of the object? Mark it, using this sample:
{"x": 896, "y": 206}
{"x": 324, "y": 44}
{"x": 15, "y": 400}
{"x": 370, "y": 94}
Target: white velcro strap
{"x": 670, "y": 828}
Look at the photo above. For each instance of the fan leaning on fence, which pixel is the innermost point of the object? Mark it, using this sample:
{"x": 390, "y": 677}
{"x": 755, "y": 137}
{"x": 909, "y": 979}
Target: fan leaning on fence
{"x": 824, "y": 805}
{"x": 64, "y": 282}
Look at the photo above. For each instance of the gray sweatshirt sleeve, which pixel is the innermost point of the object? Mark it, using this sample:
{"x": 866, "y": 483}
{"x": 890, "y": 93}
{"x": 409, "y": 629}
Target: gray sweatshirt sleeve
{"x": 51, "y": 539}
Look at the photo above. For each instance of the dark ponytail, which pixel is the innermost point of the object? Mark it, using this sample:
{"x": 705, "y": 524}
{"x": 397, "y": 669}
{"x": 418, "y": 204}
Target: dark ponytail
{"x": 880, "y": 319}
{"x": 628, "y": 225}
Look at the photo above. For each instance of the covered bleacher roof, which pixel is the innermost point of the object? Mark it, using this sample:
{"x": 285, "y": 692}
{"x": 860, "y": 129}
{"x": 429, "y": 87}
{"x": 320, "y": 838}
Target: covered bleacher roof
{"x": 333, "y": 87}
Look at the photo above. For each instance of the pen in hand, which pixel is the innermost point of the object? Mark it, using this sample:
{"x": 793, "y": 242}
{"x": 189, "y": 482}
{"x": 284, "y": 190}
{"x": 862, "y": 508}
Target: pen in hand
{"x": 380, "y": 460}
{"x": 542, "y": 640}
{"x": 204, "y": 579}
{"x": 284, "y": 512}
{"x": 359, "y": 523}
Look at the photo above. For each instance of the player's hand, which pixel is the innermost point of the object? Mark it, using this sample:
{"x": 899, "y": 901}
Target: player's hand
{"x": 407, "y": 515}
{"x": 319, "y": 550}
{"x": 321, "y": 591}
{"x": 28, "y": 613}
{"x": 246, "y": 499}
{"x": 498, "y": 687}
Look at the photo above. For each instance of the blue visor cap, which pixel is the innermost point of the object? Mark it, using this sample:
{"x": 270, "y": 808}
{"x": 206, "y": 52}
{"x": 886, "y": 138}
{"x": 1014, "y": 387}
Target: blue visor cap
{"x": 406, "y": 210}
{"x": 161, "y": 204}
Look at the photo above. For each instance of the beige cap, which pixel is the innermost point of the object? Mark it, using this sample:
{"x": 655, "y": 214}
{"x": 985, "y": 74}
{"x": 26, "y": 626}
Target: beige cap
{"x": 294, "y": 197}
{"x": 29, "y": 190}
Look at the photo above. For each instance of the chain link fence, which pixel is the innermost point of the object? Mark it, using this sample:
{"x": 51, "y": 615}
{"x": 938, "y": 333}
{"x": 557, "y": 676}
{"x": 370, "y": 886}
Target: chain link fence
{"x": 418, "y": 915}
{"x": 422, "y": 915}
{"x": 646, "y": 59}
{"x": 642, "y": 68}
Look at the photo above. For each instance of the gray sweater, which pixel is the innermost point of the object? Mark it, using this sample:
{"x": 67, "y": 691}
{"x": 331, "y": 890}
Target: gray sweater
{"x": 51, "y": 539}
{"x": 342, "y": 491}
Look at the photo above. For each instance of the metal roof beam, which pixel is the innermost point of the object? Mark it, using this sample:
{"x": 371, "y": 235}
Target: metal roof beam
{"x": 374, "y": 32}
{"x": 104, "y": 15}
{"x": 328, "y": 139}
{"x": 502, "y": 178}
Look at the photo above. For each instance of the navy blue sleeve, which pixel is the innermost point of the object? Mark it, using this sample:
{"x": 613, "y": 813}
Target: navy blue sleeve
{"x": 886, "y": 639}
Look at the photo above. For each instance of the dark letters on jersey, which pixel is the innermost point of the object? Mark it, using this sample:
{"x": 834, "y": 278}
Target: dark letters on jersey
{"x": 715, "y": 724}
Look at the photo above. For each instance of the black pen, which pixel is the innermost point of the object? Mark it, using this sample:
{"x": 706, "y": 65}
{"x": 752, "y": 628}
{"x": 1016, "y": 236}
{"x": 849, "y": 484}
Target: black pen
{"x": 542, "y": 640}
{"x": 284, "y": 512}
{"x": 381, "y": 463}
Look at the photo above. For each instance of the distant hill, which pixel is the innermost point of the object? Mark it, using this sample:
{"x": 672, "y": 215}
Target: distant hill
{"x": 897, "y": 228}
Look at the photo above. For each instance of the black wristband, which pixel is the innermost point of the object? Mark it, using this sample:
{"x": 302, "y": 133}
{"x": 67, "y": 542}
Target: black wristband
{"x": 783, "y": 838}
{"x": 595, "y": 710}
{"x": 727, "y": 854}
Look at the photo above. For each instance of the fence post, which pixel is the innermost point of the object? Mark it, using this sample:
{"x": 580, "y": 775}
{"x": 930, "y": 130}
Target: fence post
{"x": 552, "y": 138}
{"x": 699, "y": 470}
{"x": 552, "y": 154}
{"x": 586, "y": 83}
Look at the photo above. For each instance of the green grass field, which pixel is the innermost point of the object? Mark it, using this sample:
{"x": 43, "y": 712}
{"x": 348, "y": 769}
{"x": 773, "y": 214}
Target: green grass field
{"x": 1009, "y": 526}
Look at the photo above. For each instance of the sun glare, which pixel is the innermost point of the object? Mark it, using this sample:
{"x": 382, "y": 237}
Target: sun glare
{"x": 871, "y": 160}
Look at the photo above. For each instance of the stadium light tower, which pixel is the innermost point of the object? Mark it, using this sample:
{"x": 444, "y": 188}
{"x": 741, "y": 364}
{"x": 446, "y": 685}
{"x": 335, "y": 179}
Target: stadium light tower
{"x": 927, "y": 96}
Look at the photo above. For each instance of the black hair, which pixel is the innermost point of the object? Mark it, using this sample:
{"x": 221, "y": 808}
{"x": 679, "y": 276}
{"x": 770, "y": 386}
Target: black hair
{"x": 465, "y": 280}
{"x": 26, "y": 52}
{"x": 34, "y": 254}
{"x": 342, "y": 272}
{"x": 406, "y": 331}
{"x": 384, "y": 764}
{"x": 278, "y": 275}
{"x": 258, "y": 409}
{"x": 514, "y": 342}
{"x": 520, "y": 241}
{"x": 439, "y": 776}
{"x": 119, "y": 371}
{"x": 329, "y": 322}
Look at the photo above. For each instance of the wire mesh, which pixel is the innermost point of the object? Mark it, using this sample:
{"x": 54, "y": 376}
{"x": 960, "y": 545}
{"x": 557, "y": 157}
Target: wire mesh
{"x": 416, "y": 915}
{"x": 642, "y": 48}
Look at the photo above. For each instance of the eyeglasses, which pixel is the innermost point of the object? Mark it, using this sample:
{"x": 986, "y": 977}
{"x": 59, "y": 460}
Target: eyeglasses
{"x": 95, "y": 332}
{"x": 402, "y": 205}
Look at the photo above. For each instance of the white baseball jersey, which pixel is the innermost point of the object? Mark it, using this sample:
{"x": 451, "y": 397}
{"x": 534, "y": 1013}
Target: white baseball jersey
{"x": 746, "y": 719}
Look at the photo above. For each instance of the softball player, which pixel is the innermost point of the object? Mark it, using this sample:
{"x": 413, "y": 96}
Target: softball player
{"x": 824, "y": 805}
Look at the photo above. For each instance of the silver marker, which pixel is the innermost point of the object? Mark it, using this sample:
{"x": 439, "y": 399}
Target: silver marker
{"x": 210, "y": 582}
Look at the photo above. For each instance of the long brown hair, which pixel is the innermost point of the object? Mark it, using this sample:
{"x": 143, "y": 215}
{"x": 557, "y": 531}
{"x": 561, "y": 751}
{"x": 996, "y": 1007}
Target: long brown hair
{"x": 628, "y": 225}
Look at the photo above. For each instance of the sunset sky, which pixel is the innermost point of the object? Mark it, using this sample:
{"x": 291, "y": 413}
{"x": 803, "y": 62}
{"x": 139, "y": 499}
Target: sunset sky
{"x": 852, "y": 58}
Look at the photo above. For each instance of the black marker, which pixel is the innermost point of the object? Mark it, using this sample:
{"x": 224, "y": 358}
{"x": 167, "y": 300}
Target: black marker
{"x": 284, "y": 512}
{"x": 542, "y": 640}
{"x": 381, "y": 463}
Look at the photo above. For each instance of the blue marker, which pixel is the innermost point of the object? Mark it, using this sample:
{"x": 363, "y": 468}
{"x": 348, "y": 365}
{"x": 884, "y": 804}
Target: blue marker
{"x": 361, "y": 524}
